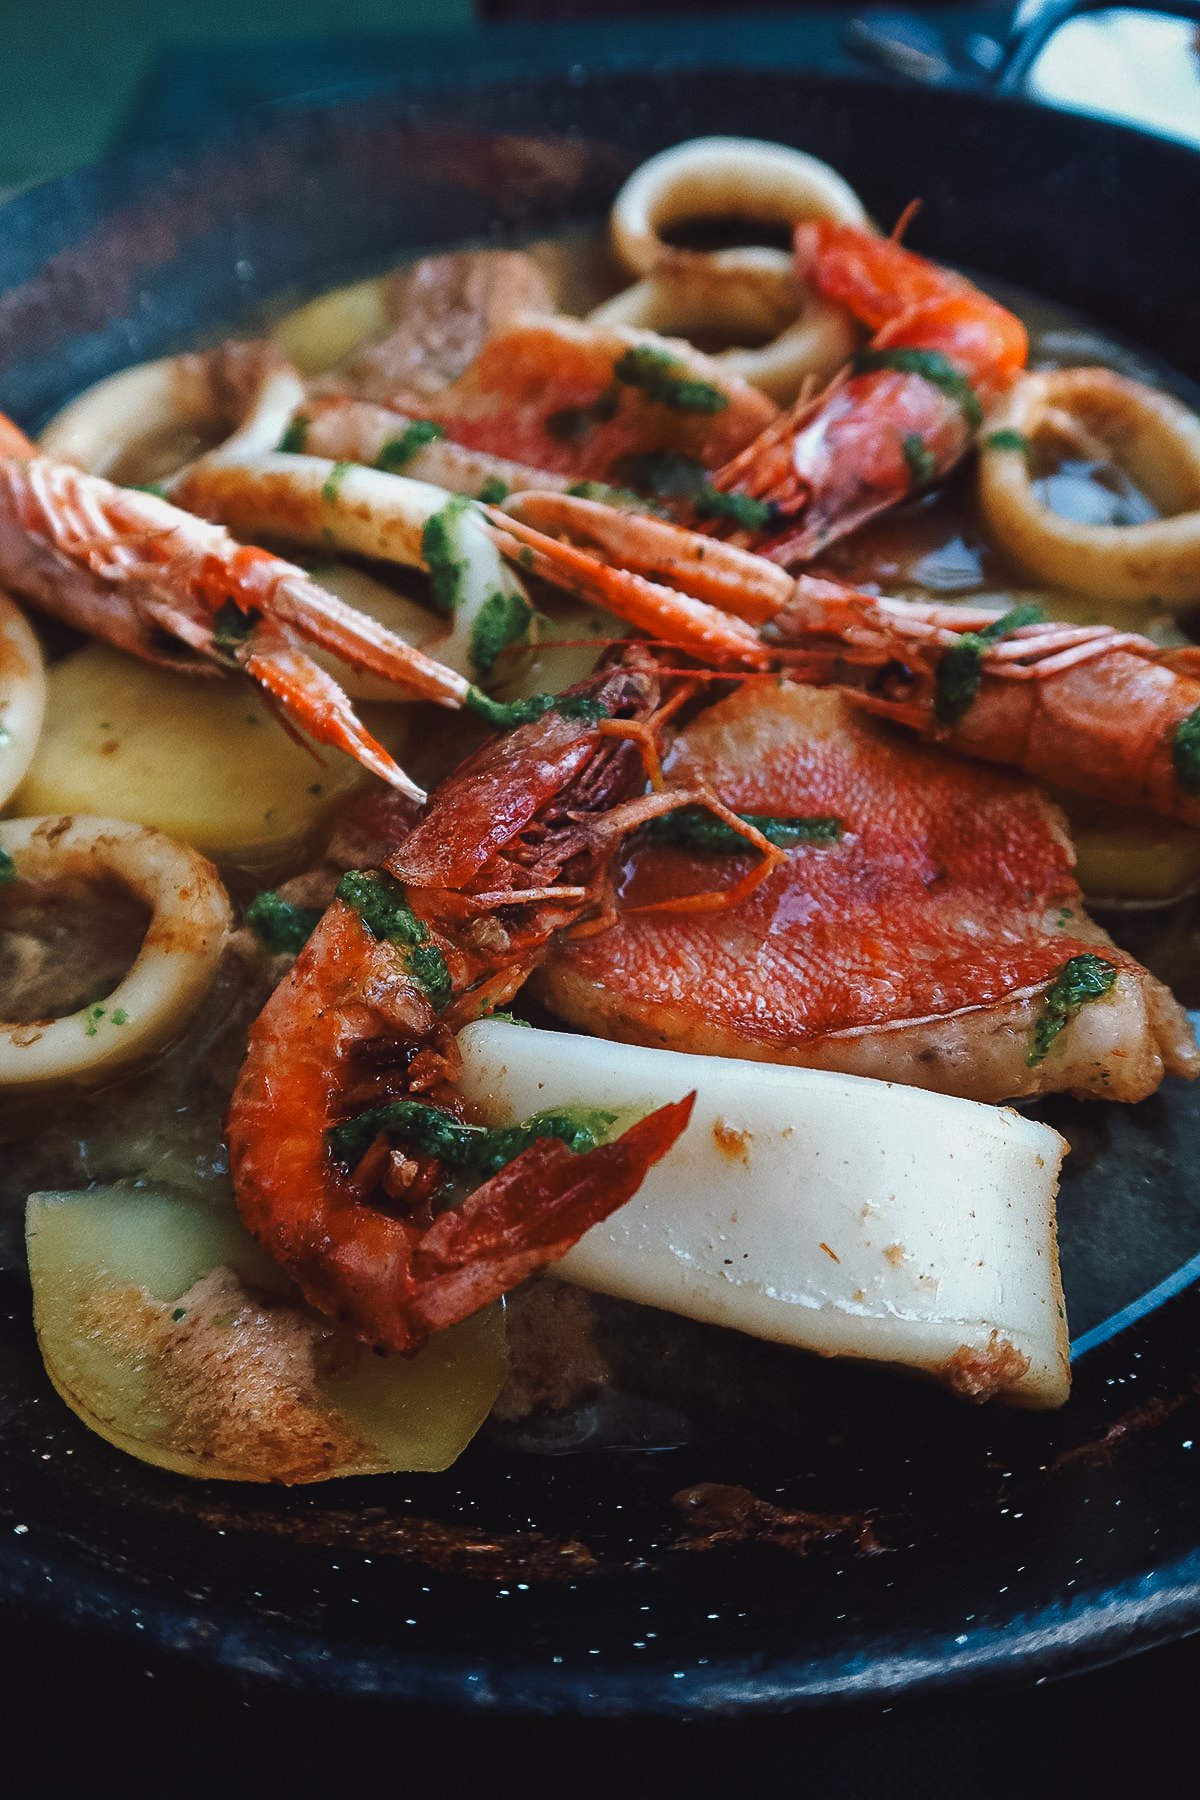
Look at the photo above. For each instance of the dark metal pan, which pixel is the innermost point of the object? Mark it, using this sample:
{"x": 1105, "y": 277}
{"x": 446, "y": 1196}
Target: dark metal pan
{"x": 864, "y": 1537}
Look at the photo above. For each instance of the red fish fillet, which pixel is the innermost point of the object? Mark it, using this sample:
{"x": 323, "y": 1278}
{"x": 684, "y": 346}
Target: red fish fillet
{"x": 917, "y": 948}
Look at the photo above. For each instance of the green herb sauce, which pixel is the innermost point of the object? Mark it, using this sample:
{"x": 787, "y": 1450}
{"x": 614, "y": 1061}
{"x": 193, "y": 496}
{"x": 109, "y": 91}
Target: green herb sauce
{"x": 606, "y": 495}
{"x": 669, "y": 475}
{"x": 296, "y": 436}
{"x": 493, "y": 491}
{"x": 922, "y": 464}
{"x": 439, "y": 548}
{"x": 507, "y": 715}
{"x": 956, "y": 682}
{"x": 503, "y": 620}
{"x": 1083, "y": 978}
{"x": 696, "y": 829}
{"x": 281, "y": 927}
{"x": 1185, "y": 752}
{"x": 381, "y": 904}
{"x": 333, "y": 482}
{"x": 399, "y": 451}
{"x": 470, "y": 1151}
{"x": 666, "y": 381}
{"x": 932, "y": 366}
{"x": 8, "y": 868}
{"x": 1007, "y": 440}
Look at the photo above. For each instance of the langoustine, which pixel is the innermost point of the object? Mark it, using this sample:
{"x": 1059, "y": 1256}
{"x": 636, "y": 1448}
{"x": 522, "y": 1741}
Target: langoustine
{"x": 174, "y": 590}
{"x": 1091, "y": 709}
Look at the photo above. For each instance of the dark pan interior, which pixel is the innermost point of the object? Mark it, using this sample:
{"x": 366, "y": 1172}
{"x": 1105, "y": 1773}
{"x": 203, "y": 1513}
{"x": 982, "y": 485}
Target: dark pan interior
{"x": 867, "y": 1537}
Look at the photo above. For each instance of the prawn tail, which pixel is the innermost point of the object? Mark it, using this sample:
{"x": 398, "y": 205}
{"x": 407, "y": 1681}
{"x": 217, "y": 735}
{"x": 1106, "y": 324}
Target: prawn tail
{"x": 530, "y": 1214}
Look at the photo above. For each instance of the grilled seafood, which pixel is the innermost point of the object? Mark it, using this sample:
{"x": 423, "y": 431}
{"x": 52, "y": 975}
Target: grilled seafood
{"x": 163, "y": 584}
{"x": 910, "y": 405}
{"x": 355, "y": 1049}
{"x": 1084, "y": 707}
{"x": 578, "y": 399}
{"x": 924, "y": 925}
{"x": 690, "y": 847}
{"x": 1102, "y": 712}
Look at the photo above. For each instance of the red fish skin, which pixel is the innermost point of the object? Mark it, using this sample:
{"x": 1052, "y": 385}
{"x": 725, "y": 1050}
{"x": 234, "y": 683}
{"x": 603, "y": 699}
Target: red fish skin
{"x": 531, "y": 394}
{"x": 949, "y": 895}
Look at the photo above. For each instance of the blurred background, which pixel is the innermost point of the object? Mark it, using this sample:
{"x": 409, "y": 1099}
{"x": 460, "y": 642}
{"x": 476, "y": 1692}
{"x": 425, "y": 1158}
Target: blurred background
{"x": 78, "y": 76}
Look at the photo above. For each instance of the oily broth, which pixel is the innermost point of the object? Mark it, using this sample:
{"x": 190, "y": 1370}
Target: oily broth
{"x": 587, "y": 1372}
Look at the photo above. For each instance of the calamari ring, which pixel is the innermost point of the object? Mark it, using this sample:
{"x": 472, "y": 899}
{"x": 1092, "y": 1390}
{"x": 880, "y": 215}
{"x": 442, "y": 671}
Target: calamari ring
{"x": 169, "y": 976}
{"x": 22, "y": 696}
{"x": 715, "y": 177}
{"x": 750, "y": 293}
{"x": 1153, "y": 437}
{"x": 249, "y": 389}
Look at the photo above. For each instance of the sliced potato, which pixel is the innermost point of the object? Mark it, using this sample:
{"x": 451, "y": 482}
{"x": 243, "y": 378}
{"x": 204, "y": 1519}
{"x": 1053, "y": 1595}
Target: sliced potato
{"x": 324, "y": 330}
{"x": 204, "y": 760}
{"x": 851, "y": 1217}
{"x": 572, "y": 637}
{"x": 1131, "y": 856}
{"x": 170, "y": 1333}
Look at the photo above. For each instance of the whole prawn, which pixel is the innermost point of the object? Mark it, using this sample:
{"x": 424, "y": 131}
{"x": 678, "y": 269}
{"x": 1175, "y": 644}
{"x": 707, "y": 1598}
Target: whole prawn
{"x": 1102, "y": 712}
{"x": 344, "y": 1110}
{"x": 172, "y": 589}
{"x": 907, "y": 409}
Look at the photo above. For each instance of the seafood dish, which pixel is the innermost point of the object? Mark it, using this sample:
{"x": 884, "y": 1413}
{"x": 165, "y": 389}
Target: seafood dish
{"x": 506, "y": 801}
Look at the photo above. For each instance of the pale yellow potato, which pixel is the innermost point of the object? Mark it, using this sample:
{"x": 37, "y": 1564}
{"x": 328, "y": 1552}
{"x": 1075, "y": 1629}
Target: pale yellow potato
{"x": 1124, "y": 855}
{"x": 204, "y": 760}
{"x": 171, "y": 1335}
{"x": 324, "y": 330}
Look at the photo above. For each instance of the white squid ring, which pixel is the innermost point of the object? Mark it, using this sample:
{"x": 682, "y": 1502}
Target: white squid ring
{"x": 176, "y": 393}
{"x": 168, "y": 978}
{"x": 722, "y": 177}
{"x": 1153, "y": 437}
{"x": 22, "y": 696}
{"x": 753, "y": 292}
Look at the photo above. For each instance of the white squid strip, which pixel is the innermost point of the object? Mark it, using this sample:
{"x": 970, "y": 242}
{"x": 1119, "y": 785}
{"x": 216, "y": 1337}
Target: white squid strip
{"x": 168, "y": 978}
{"x": 344, "y": 506}
{"x": 848, "y": 1217}
{"x": 750, "y": 295}
{"x": 724, "y": 177}
{"x": 1154, "y": 438}
{"x": 22, "y": 696}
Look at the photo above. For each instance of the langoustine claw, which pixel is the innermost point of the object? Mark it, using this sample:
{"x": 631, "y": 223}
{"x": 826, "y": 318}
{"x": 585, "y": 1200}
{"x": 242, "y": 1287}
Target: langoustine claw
{"x": 175, "y": 590}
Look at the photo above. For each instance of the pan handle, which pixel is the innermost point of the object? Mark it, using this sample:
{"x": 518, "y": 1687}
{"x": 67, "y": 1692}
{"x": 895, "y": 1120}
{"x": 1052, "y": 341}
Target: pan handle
{"x": 918, "y": 47}
{"x": 1032, "y": 30}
